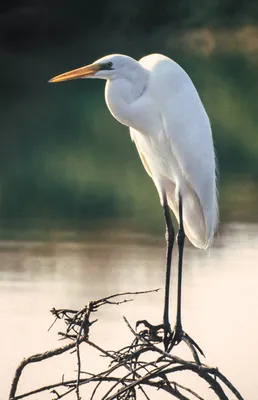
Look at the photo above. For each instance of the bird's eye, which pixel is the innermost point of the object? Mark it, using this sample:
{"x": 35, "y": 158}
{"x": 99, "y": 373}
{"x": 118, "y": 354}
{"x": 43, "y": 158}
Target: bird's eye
{"x": 109, "y": 64}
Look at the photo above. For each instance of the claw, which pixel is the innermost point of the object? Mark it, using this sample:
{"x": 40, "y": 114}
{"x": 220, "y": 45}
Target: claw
{"x": 149, "y": 326}
{"x": 179, "y": 335}
{"x": 152, "y": 330}
{"x": 170, "y": 339}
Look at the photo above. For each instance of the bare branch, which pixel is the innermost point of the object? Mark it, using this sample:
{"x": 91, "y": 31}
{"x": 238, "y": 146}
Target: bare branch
{"x": 37, "y": 358}
{"x": 135, "y": 367}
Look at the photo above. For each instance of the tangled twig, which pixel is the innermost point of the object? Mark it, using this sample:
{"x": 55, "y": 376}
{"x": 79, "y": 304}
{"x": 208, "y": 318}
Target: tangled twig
{"x": 136, "y": 367}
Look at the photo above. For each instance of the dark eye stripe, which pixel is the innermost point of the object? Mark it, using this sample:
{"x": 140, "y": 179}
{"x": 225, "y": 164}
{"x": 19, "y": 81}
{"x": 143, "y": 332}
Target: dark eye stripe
{"x": 107, "y": 66}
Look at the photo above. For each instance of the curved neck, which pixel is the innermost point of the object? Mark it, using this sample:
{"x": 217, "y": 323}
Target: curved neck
{"x": 123, "y": 91}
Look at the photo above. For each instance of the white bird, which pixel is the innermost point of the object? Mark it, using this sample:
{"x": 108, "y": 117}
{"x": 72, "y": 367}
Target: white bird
{"x": 159, "y": 103}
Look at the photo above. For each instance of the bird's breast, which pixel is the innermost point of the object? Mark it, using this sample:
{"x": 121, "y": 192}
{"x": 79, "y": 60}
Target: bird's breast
{"x": 139, "y": 113}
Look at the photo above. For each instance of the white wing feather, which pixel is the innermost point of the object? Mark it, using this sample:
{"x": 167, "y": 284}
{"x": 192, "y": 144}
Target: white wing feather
{"x": 187, "y": 128}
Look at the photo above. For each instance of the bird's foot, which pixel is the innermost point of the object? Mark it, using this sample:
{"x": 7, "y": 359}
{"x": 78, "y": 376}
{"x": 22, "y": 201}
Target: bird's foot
{"x": 162, "y": 333}
{"x": 154, "y": 332}
{"x": 151, "y": 332}
{"x": 178, "y": 335}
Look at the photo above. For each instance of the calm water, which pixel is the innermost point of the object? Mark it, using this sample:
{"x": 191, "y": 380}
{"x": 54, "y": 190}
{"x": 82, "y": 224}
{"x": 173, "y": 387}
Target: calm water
{"x": 220, "y": 300}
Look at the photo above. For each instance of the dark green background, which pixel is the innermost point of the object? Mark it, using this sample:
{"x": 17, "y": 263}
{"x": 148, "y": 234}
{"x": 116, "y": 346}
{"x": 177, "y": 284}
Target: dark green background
{"x": 65, "y": 162}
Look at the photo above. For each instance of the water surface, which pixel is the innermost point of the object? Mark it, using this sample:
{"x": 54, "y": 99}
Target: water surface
{"x": 220, "y": 300}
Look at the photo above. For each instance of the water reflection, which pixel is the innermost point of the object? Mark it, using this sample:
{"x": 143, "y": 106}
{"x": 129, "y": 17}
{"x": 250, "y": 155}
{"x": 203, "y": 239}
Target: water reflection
{"x": 219, "y": 299}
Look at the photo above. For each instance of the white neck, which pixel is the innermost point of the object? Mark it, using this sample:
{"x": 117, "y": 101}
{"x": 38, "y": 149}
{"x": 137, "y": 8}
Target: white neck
{"x": 122, "y": 91}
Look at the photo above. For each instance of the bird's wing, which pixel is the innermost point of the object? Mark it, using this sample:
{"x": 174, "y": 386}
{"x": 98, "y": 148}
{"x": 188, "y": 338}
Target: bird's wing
{"x": 133, "y": 133}
{"x": 187, "y": 127}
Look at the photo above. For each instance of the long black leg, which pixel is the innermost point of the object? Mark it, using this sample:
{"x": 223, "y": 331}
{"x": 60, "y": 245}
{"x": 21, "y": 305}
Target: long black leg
{"x": 180, "y": 243}
{"x": 171, "y": 339}
{"x": 170, "y": 236}
{"x": 154, "y": 329}
{"x": 178, "y": 334}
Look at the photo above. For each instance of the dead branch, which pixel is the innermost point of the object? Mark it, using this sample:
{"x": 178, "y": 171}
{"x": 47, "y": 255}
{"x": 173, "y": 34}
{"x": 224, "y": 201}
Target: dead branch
{"x": 130, "y": 370}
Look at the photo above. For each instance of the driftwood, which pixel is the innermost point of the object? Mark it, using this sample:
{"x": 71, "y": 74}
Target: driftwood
{"x": 132, "y": 370}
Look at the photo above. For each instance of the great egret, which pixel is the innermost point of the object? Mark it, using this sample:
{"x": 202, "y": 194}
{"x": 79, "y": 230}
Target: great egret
{"x": 159, "y": 103}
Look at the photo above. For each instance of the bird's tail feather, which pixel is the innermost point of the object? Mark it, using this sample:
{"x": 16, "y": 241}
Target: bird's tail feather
{"x": 198, "y": 224}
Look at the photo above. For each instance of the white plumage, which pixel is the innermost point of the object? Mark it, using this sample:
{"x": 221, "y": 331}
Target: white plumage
{"x": 172, "y": 134}
{"x": 157, "y": 100}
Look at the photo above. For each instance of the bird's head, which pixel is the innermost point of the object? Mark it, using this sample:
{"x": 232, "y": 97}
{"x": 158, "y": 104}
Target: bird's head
{"x": 108, "y": 67}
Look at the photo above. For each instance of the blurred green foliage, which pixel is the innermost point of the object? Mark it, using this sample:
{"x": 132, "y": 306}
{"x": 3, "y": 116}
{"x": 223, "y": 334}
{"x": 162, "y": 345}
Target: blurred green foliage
{"x": 59, "y": 20}
{"x": 65, "y": 162}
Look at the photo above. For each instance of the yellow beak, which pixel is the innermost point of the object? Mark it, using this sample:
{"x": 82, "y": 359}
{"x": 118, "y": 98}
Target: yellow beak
{"x": 78, "y": 73}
